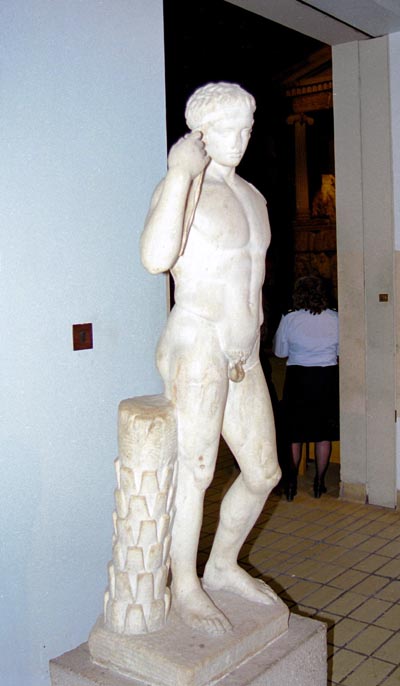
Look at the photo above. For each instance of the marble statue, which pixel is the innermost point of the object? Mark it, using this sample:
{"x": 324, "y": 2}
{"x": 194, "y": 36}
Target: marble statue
{"x": 210, "y": 228}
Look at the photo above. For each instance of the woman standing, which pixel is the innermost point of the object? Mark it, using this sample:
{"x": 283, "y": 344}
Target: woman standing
{"x": 309, "y": 337}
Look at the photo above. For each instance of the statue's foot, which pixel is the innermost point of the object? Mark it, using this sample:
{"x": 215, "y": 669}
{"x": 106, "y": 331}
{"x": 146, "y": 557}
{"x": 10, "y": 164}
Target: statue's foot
{"x": 236, "y": 580}
{"x": 198, "y": 611}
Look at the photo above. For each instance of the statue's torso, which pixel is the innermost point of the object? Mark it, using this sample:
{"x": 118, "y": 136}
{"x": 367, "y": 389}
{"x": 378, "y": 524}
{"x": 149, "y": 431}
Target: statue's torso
{"x": 220, "y": 275}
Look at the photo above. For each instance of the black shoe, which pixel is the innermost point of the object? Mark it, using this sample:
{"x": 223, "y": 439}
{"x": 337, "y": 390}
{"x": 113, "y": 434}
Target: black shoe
{"x": 291, "y": 490}
{"x": 319, "y": 488}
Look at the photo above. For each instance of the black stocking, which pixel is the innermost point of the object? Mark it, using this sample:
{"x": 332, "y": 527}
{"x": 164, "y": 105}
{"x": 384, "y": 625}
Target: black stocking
{"x": 294, "y": 461}
{"x": 323, "y": 451}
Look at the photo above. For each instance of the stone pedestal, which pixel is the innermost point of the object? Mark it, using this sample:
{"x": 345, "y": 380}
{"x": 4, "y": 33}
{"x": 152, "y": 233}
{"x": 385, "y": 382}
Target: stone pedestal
{"x": 180, "y": 656}
{"x": 183, "y": 657}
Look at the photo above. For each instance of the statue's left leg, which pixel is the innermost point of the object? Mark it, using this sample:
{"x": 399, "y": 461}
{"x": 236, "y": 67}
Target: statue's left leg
{"x": 250, "y": 433}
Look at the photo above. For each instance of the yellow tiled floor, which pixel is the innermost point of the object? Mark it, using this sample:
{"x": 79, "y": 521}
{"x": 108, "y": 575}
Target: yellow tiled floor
{"x": 336, "y": 561}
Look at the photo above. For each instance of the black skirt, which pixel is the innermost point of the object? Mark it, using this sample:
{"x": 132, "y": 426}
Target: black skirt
{"x": 310, "y": 404}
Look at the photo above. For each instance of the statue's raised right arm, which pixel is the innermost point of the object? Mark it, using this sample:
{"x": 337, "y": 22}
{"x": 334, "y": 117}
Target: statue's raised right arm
{"x": 162, "y": 236}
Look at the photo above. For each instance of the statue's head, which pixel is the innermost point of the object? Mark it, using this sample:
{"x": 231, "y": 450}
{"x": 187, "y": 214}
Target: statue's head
{"x": 215, "y": 101}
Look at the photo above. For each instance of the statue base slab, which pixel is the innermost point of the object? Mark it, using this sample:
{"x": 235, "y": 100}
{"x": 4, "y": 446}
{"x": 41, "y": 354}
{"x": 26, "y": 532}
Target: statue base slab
{"x": 297, "y": 655}
{"x": 179, "y": 656}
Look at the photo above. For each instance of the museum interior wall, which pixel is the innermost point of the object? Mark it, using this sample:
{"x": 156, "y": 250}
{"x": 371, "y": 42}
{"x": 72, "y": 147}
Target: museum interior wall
{"x": 364, "y": 128}
{"x": 83, "y": 145}
{"x": 394, "y": 61}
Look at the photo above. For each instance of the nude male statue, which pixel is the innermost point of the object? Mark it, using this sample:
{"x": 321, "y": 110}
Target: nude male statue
{"x": 210, "y": 228}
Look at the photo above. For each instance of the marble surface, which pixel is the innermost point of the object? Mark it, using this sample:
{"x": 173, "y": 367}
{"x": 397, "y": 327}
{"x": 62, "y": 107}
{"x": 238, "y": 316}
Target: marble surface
{"x": 297, "y": 657}
{"x": 137, "y": 599}
{"x": 178, "y": 656}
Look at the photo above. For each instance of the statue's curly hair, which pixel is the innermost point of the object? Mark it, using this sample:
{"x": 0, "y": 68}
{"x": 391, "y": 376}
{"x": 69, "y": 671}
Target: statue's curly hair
{"x": 207, "y": 102}
{"x": 310, "y": 294}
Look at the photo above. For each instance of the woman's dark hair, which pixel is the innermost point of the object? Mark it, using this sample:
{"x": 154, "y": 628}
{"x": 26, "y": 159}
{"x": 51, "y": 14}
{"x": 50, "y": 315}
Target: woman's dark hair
{"x": 310, "y": 294}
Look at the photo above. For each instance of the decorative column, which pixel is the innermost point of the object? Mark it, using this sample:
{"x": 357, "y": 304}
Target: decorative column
{"x": 137, "y": 600}
{"x": 302, "y": 195}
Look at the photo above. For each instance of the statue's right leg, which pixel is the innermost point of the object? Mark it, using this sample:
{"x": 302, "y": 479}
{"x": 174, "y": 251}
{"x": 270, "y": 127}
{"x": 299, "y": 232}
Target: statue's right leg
{"x": 195, "y": 377}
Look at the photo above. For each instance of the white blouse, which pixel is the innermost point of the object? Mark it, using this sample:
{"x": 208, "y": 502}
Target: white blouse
{"x": 309, "y": 340}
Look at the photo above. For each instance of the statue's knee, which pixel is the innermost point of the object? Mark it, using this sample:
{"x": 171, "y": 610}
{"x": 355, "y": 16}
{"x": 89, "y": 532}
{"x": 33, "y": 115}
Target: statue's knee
{"x": 199, "y": 470}
{"x": 265, "y": 475}
{"x": 203, "y": 473}
{"x": 197, "y": 456}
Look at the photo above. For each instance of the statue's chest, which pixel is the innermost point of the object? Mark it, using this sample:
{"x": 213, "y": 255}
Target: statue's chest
{"x": 223, "y": 218}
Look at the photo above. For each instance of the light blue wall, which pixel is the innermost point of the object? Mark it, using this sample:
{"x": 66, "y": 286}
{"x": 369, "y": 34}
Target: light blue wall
{"x": 82, "y": 141}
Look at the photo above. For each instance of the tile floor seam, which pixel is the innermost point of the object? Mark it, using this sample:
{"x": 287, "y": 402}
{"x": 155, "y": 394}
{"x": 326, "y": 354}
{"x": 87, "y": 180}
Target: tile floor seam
{"x": 346, "y": 682}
